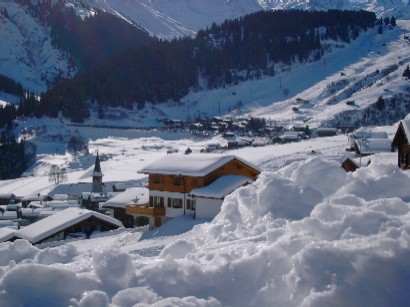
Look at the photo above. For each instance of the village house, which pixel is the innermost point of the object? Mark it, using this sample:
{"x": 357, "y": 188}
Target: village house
{"x": 364, "y": 133}
{"x": 115, "y": 207}
{"x": 26, "y": 200}
{"x": 88, "y": 194}
{"x": 401, "y": 144}
{"x": 8, "y": 198}
{"x": 209, "y": 199}
{"x": 350, "y": 164}
{"x": 65, "y": 224}
{"x": 172, "y": 179}
{"x": 366, "y": 147}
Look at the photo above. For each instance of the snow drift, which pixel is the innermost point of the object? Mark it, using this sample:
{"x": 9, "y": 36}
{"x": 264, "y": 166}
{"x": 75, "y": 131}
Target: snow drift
{"x": 311, "y": 235}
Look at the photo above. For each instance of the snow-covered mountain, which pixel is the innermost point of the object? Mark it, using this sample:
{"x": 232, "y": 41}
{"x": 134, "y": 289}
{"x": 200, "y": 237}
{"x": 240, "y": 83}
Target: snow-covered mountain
{"x": 27, "y": 54}
{"x": 168, "y": 19}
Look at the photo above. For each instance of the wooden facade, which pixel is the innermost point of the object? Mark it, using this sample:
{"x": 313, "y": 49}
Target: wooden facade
{"x": 170, "y": 191}
{"x": 401, "y": 144}
{"x": 185, "y": 184}
{"x": 349, "y": 165}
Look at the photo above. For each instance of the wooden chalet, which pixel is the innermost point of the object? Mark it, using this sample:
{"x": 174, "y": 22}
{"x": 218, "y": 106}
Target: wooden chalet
{"x": 116, "y": 206}
{"x": 401, "y": 144}
{"x": 172, "y": 178}
{"x": 349, "y": 165}
{"x": 66, "y": 224}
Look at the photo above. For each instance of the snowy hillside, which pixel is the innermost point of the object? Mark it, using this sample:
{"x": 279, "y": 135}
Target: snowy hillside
{"x": 26, "y": 51}
{"x": 168, "y": 19}
{"x": 28, "y": 56}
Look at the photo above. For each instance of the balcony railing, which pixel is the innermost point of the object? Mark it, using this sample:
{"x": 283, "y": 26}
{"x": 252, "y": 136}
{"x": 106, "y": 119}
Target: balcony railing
{"x": 145, "y": 210}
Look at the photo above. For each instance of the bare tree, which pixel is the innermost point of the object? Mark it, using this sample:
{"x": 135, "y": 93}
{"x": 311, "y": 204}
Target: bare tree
{"x": 57, "y": 174}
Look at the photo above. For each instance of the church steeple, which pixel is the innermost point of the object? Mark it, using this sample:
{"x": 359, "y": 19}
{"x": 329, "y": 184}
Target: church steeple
{"x": 97, "y": 176}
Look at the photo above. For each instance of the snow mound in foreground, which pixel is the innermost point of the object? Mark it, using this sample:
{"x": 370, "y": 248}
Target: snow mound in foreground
{"x": 312, "y": 236}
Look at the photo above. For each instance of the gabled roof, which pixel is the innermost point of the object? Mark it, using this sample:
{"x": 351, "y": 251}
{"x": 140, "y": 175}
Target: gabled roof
{"x": 194, "y": 165}
{"x": 221, "y": 186}
{"x": 371, "y": 146}
{"x": 59, "y": 221}
{"x": 406, "y": 126}
{"x": 402, "y": 131}
{"x": 74, "y": 188}
{"x": 6, "y": 233}
{"x": 137, "y": 195}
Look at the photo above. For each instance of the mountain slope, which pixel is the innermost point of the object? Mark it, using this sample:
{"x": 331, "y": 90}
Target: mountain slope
{"x": 26, "y": 52}
{"x": 28, "y": 56}
{"x": 167, "y": 19}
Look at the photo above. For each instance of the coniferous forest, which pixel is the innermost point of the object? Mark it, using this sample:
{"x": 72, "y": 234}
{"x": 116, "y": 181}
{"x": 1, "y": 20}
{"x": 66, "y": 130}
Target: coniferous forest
{"x": 156, "y": 70}
{"x": 235, "y": 51}
{"x": 122, "y": 67}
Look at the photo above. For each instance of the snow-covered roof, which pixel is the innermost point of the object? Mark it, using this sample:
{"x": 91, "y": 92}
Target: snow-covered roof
{"x": 406, "y": 126}
{"x": 60, "y": 221}
{"x": 221, "y": 187}
{"x": 6, "y": 233}
{"x": 62, "y": 204}
{"x": 195, "y": 165}
{"x": 290, "y": 135}
{"x": 369, "y": 132}
{"x": 35, "y": 197}
{"x": 353, "y": 160}
{"x": 72, "y": 188}
{"x": 8, "y": 215}
{"x": 370, "y": 146}
{"x": 137, "y": 195}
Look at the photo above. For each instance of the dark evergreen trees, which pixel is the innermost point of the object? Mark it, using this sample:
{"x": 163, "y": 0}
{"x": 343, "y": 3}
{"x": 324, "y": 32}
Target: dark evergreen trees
{"x": 232, "y": 52}
{"x": 406, "y": 73}
{"x": 15, "y": 156}
{"x": 10, "y": 86}
{"x": 393, "y": 21}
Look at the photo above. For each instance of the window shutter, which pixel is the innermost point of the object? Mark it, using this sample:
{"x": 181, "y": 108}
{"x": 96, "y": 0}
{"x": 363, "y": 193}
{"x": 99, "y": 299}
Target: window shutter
{"x": 161, "y": 202}
{"x": 151, "y": 201}
{"x": 188, "y": 204}
{"x": 169, "y": 202}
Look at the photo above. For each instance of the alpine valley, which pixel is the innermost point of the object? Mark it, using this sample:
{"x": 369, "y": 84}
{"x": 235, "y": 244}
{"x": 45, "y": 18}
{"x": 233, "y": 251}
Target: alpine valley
{"x": 255, "y": 151}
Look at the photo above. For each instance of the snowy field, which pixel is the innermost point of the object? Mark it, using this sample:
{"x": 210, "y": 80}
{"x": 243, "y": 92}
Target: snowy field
{"x": 304, "y": 234}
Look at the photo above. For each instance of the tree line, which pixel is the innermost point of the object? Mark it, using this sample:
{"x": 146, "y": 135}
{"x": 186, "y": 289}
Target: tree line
{"x": 15, "y": 156}
{"x": 232, "y": 52}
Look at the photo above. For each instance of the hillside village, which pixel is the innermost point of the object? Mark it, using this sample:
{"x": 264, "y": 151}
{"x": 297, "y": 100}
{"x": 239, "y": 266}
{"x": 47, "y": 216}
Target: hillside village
{"x": 178, "y": 184}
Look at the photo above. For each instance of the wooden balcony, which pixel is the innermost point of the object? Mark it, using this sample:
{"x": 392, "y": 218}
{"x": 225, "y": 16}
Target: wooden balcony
{"x": 145, "y": 210}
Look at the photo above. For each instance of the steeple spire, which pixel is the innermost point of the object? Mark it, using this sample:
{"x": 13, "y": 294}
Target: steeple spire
{"x": 97, "y": 176}
{"x": 97, "y": 166}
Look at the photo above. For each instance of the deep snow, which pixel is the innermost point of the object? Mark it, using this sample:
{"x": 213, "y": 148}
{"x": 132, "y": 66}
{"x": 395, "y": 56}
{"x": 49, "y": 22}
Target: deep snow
{"x": 304, "y": 234}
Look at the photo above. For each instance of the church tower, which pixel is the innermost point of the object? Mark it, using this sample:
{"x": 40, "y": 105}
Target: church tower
{"x": 97, "y": 176}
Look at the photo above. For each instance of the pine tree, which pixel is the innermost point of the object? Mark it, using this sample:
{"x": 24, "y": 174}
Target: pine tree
{"x": 393, "y": 21}
{"x": 406, "y": 73}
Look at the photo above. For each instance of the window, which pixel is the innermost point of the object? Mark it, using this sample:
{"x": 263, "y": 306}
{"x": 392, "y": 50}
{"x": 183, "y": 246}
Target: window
{"x": 188, "y": 204}
{"x": 177, "y": 180}
{"x": 156, "y": 179}
{"x": 176, "y": 203}
{"x": 193, "y": 204}
{"x": 158, "y": 202}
